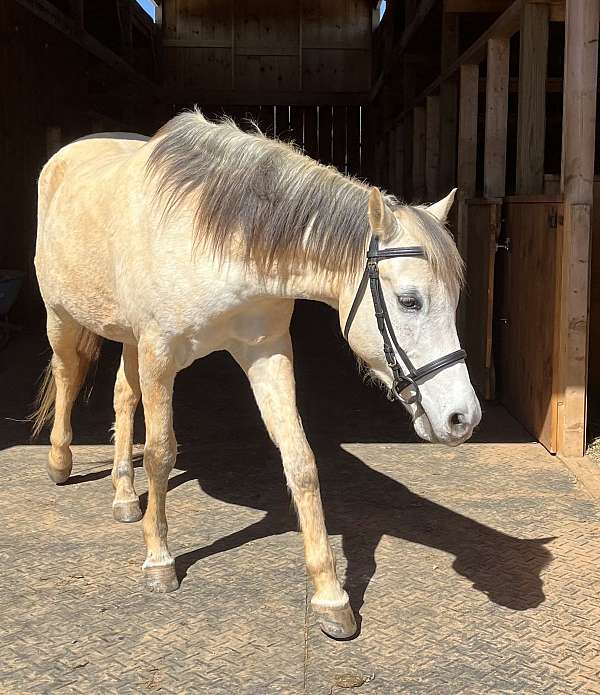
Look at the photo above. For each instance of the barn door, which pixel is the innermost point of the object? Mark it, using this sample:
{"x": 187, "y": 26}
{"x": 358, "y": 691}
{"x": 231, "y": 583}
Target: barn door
{"x": 527, "y": 317}
{"x": 483, "y": 219}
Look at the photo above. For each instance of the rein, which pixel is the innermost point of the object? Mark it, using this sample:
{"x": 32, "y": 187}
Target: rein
{"x": 411, "y": 377}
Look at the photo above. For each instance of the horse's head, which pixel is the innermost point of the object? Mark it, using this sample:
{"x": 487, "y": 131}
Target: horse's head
{"x": 421, "y": 295}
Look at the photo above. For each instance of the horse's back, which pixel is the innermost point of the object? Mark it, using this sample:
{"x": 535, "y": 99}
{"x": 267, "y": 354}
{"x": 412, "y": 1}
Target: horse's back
{"x": 83, "y": 192}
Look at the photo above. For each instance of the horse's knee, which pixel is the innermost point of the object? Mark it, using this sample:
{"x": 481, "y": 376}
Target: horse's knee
{"x": 301, "y": 473}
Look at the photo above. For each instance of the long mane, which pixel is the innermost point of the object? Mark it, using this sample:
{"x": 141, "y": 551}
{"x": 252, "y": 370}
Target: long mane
{"x": 284, "y": 206}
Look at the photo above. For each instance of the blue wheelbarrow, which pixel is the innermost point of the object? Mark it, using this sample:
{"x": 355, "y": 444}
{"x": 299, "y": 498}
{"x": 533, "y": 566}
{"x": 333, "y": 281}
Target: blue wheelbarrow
{"x": 10, "y": 285}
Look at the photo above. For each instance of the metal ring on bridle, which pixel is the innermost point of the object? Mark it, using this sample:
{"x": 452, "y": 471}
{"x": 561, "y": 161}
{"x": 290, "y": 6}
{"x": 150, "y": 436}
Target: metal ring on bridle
{"x": 391, "y": 348}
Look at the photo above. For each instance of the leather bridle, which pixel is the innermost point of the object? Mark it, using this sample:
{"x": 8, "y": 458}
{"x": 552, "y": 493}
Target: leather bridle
{"x": 411, "y": 377}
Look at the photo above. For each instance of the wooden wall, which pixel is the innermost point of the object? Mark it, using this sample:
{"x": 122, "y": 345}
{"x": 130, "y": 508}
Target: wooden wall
{"x": 53, "y": 91}
{"x": 256, "y": 51}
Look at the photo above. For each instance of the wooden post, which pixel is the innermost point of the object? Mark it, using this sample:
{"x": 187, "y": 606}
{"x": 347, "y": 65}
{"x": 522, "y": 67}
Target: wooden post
{"x": 467, "y": 147}
{"x": 448, "y": 106}
{"x": 418, "y": 163}
{"x": 466, "y": 178}
{"x": 579, "y": 123}
{"x": 496, "y": 113}
{"x": 432, "y": 147}
{"x": 531, "y": 126}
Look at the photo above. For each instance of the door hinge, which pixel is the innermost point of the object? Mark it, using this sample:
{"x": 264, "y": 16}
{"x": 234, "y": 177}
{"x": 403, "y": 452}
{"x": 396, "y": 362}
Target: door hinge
{"x": 554, "y": 219}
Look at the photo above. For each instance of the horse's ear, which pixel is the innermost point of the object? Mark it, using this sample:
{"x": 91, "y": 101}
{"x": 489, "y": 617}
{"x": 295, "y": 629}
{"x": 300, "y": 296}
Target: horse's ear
{"x": 441, "y": 209}
{"x": 381, "y": 218}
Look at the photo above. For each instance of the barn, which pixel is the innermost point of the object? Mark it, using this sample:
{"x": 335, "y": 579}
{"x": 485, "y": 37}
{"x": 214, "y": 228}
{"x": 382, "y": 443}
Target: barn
{"x": 496, "y": 98}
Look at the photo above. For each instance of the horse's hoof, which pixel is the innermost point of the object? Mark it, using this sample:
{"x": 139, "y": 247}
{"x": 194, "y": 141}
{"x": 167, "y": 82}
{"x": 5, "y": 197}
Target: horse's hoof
{"x": 161, "y": 580}
{"x": 338, "y": 623}
{"x": 58, "y": 475}
{"x": 127, "y": 512}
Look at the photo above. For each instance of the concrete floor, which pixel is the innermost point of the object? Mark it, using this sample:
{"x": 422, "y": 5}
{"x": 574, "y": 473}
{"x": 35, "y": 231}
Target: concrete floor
{"x": 473, "y": 570}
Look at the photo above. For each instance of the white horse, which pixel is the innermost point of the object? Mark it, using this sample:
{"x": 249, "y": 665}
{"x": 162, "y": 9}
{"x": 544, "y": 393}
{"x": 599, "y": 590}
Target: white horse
{"x": 200, "y": 239}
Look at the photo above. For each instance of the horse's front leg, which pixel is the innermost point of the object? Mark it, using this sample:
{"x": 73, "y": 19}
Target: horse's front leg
{"x": 126, "y": 505}
{"x": 269, "y": 367}
{"x": 157, "y": 375}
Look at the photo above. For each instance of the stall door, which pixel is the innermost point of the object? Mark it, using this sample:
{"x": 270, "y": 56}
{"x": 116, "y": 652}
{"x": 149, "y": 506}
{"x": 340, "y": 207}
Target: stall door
{"x": 527, "y": 319}
{"x": 483, "y": 220}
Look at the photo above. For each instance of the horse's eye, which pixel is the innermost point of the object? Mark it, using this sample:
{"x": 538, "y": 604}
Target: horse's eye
{"x": 409, "y": 302}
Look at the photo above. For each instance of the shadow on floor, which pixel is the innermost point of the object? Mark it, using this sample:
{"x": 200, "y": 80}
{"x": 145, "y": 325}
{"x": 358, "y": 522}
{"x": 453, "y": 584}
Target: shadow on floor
{"x": 216, "y": 419}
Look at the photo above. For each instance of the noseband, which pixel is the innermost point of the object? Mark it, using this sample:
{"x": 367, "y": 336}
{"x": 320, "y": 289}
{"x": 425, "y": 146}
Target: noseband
{"x": 412, "y": 376}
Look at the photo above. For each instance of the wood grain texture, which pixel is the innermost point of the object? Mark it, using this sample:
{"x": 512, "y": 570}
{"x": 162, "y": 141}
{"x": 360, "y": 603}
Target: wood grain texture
{"x": 496, "y": 114}
{"x": 418, "y": 157}
{"x": 531, "y": 304}
{"x": 531, "y": 123}
{"x": 432, "y": 147}
{"x": 484, "y": 226}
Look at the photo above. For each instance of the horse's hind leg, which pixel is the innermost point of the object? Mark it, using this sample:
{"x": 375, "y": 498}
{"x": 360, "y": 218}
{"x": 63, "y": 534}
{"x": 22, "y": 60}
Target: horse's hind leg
{"x": 126, "y": 505}
{"x": 269, "y": 367}
{"x": 157, "y": 375}
{"x": 68, "y": 370}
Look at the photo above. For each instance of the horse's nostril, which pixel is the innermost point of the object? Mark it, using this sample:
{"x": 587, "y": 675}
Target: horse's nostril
{"x": 457, "y": 419}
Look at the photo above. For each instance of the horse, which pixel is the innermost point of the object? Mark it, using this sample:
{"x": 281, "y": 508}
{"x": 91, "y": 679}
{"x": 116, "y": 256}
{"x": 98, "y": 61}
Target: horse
{"x": 200, "y": 239}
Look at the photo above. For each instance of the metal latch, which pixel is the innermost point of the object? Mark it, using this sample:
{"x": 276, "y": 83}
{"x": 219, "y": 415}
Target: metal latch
{"x": 505, "y": 246}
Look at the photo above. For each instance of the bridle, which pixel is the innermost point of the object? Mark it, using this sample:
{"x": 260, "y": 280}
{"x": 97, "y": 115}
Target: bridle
{"x": 412, "y": 376}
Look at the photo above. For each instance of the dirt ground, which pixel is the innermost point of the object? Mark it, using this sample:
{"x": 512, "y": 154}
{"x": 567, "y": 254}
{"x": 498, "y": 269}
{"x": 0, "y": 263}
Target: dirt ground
{"x": 472, "y": 570}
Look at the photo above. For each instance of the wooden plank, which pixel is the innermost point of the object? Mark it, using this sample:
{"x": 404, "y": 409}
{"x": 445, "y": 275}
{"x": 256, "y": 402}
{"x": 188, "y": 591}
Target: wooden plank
{"x": 531, "y": 124}
{"x": 418, "y": 158}
{"x": 70, "y": 28}
{"x": 311, "y": 135}
{"x": 579, "y": 120}
{"x": 528, "y": 334}
{"x": 503, "y": 28}
{"x": 484, "y": 227}
{"x": 467, "y": 130}
{"x": 325, "y": 134}
{"x": 432, "y": 147}
{"x": 478, "y": 6}
{"x": 353, "y": 140}
{"x": 339, "y": 138}
{"x": 448, "y": 106}
{"x": 297, "y": 126}
{"x": 594, "y": 322}
{"x": 467, "y": 148}
{"x": 391, "y": 164}
{"x": 259, "y": 97}
{"x": 282, "y": 122}
{"x": 496, "y": 114}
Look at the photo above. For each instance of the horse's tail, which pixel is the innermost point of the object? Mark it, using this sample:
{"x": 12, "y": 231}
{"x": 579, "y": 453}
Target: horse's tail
{"x": 88, "y": 351}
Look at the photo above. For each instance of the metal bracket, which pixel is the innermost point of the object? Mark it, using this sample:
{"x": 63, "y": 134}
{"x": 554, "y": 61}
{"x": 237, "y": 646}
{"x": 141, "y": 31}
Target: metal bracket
{"x": 504, "y": 246}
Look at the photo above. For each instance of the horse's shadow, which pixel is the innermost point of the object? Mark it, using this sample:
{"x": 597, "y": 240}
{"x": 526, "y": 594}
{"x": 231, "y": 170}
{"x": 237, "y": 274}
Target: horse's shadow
{"x": 362, "y": 505}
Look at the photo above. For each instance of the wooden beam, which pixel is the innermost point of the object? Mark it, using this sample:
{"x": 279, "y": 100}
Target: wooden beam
{"x": 418, "y": 158}
{"x": 448, "y": 106}
{"x": 48, "y": 13}
{"x": 418, "y": 17}
{"x": 503, "y": 28}
{"x": 432, "y": 147}
{"x": 478, "y": 6}
{"x": 531, "y": 124}
{"x": 579, "y": 123}
{"x": 239, "y": 97}
{"x": 496, "y": 114}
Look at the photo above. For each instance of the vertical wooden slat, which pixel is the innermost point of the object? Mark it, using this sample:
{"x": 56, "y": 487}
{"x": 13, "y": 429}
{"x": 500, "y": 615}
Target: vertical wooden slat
{"x": 266, "y": 120}
{"x": 418, "y": 157}
{"x": 496, "y": 113}
{"x": 282, "y": 122}
{"x": 339, "y": 138}
{"x": 579, "y": 121}
{"x": 448, "y": 105}
{"x": 325, "y": 127}
{"x": 467, "y": 148}
{"x": 531, "y": 124}
{"x": 353, "y": 140}
{"x": 432, "y": 147}
{"x": 297, "y": 126}
{"x": 311, "y": 136}
{"x": 390, "y": 147}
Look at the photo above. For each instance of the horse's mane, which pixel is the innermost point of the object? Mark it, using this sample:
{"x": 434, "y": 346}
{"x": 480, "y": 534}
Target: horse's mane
{"x": 286, "y": 206}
